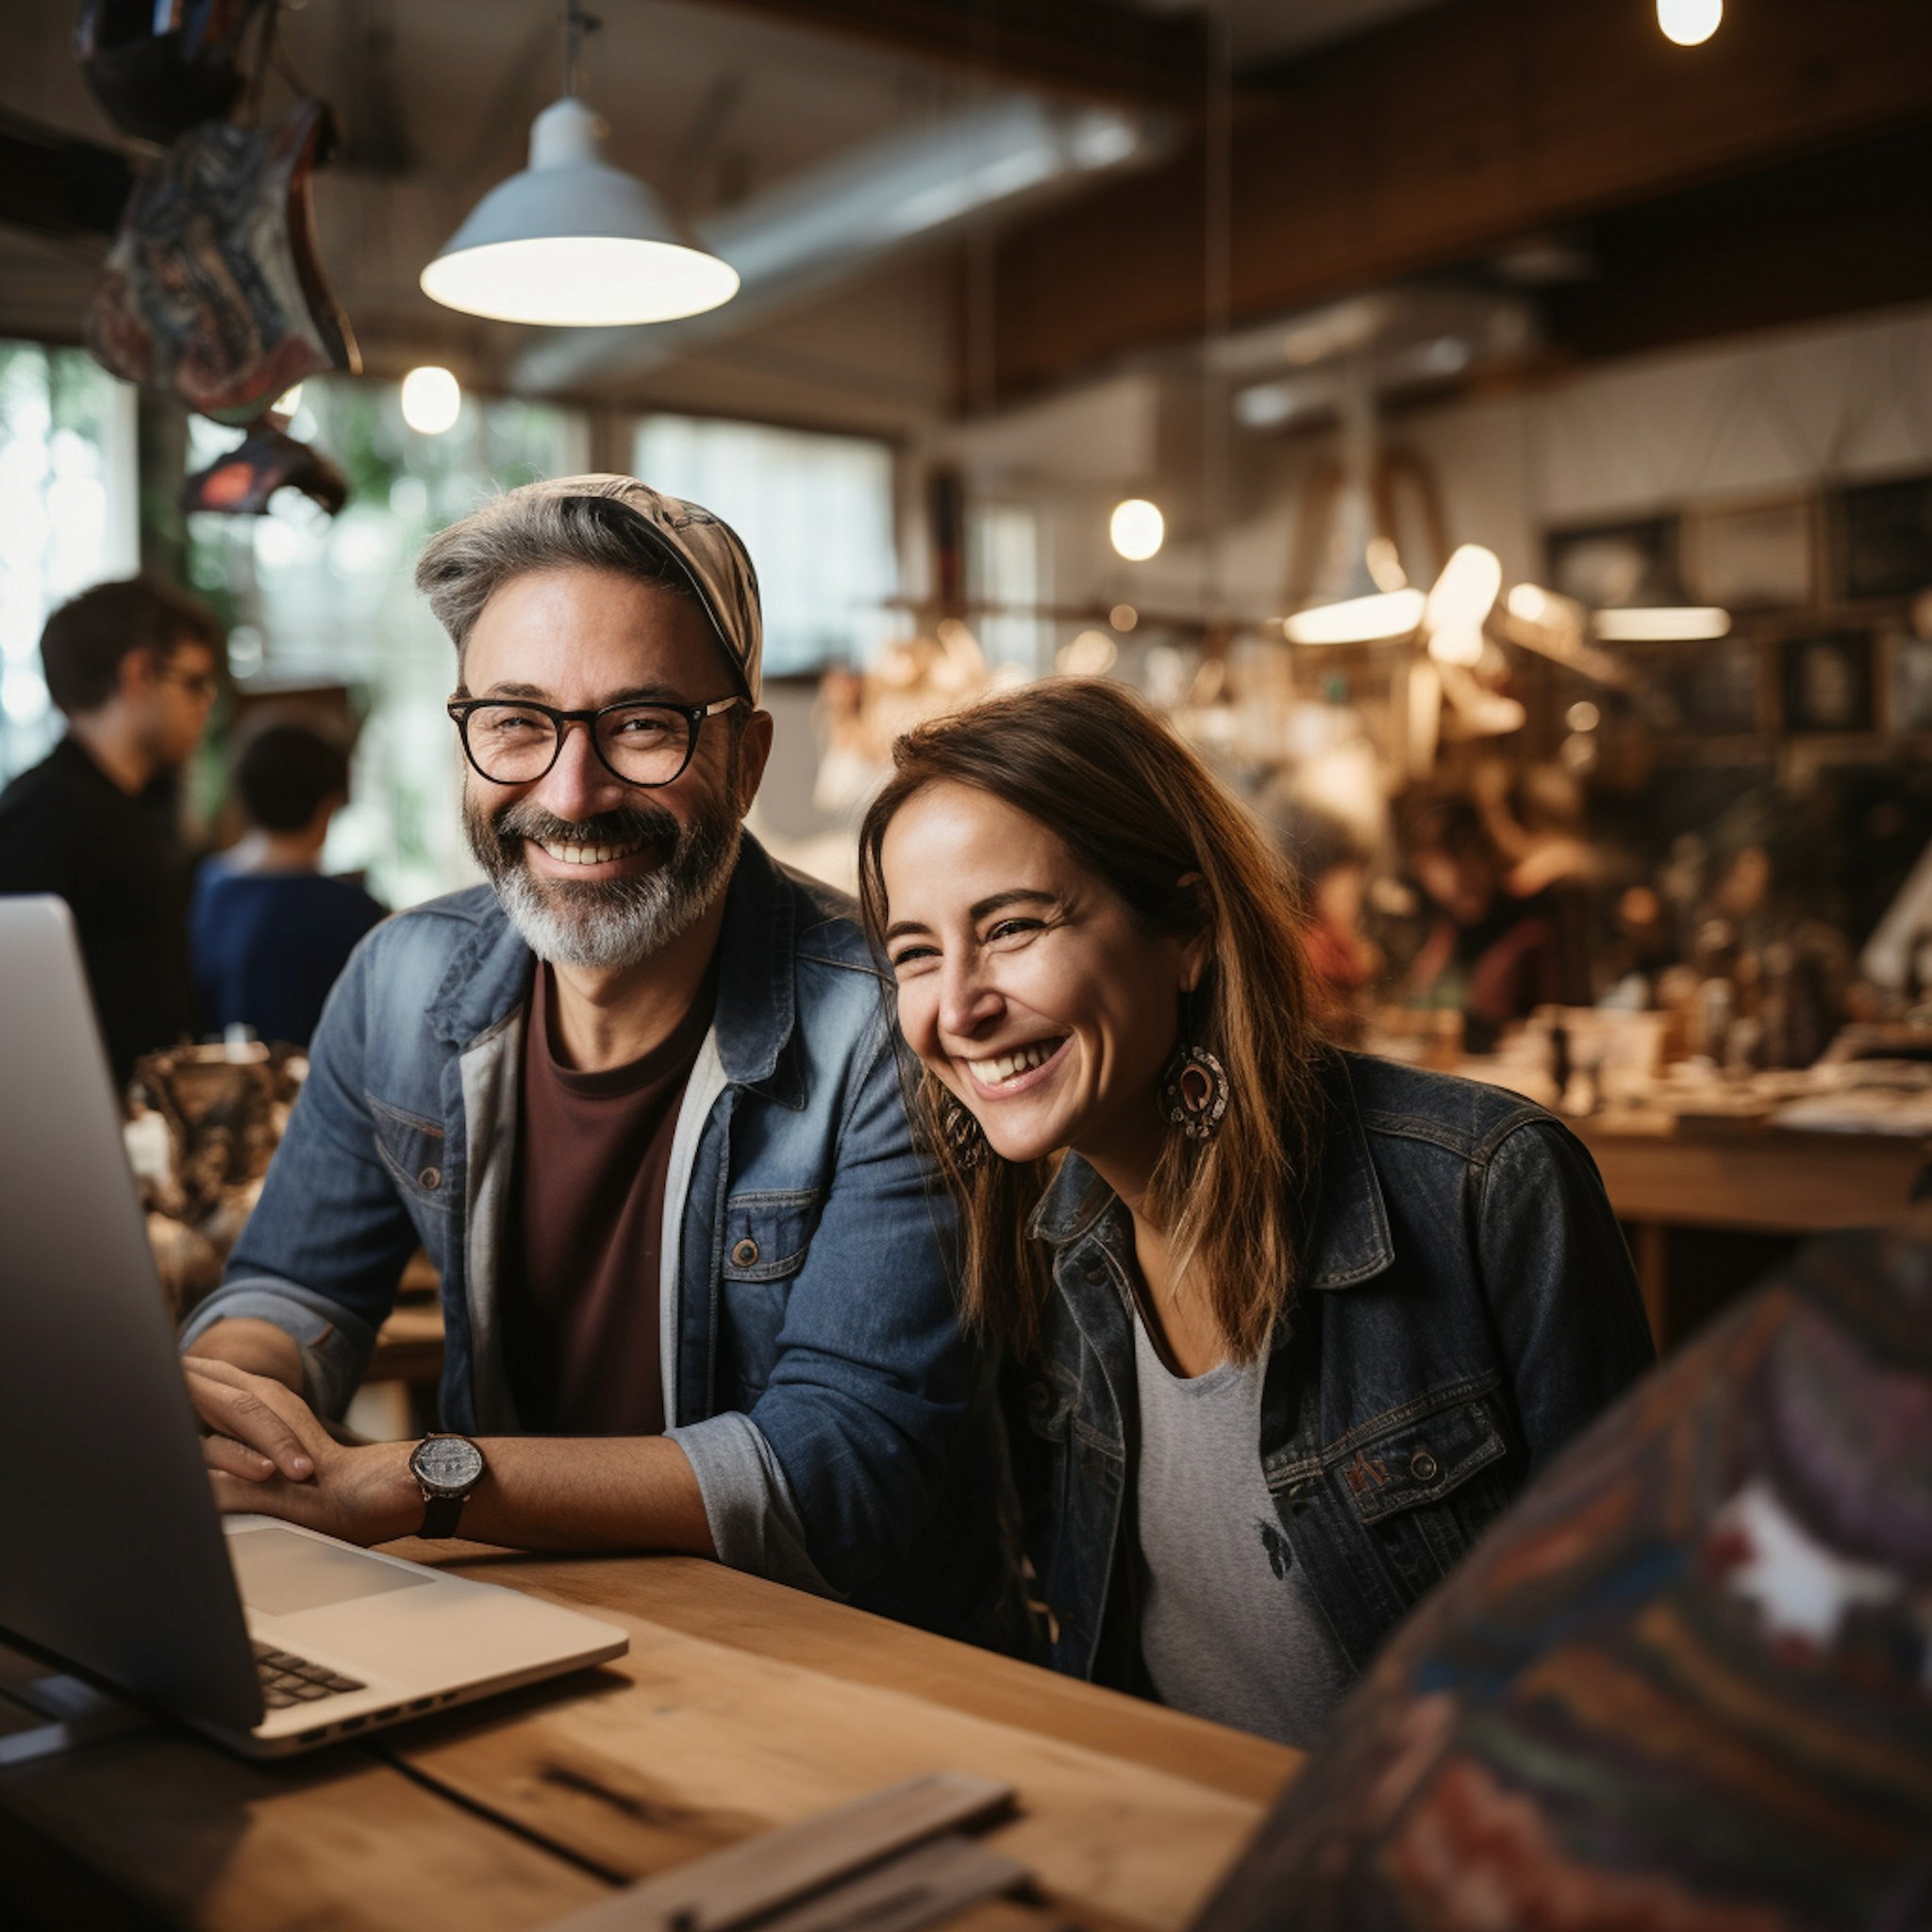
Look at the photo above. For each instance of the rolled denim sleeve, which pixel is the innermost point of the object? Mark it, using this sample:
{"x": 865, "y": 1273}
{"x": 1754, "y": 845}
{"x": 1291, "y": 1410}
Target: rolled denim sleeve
{"x": 869, "y": 1393}
{"x": 321, "y": 1254}
{"x": 334, "y": 1345}
{"x": 1569, "y": 1315}
{"x": 749, "y": 1506}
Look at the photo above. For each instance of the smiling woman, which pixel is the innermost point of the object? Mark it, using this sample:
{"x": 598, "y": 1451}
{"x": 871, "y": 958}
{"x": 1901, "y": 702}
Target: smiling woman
{"x": 1235, "y": 1478}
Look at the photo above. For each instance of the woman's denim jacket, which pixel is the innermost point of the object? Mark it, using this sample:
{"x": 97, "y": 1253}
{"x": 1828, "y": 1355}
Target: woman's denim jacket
{"x": 1465, "y": 1306}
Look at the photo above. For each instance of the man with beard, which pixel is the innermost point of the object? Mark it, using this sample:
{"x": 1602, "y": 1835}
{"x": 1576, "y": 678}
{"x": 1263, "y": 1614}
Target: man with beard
{"x": 637, "y": 1098}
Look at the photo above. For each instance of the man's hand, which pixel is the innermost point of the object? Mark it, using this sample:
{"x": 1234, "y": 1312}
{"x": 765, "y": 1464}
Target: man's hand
{"x": 267, "y": 1451}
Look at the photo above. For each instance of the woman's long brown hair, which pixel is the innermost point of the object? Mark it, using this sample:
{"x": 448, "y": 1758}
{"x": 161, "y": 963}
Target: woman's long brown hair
{"x": 1137, "y": 808}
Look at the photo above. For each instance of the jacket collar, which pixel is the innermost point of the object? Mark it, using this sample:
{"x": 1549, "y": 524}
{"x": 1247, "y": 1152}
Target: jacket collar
{"x": 489, "y": 978}
{"x": 1350, "y": 1240}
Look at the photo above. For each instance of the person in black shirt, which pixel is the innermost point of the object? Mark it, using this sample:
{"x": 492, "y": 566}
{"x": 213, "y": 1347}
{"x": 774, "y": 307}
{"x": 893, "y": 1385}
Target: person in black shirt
{"x": 135, "y": 667}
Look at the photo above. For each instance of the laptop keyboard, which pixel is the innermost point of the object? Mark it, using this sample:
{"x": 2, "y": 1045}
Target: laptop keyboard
{"x": 287, "y": 1679}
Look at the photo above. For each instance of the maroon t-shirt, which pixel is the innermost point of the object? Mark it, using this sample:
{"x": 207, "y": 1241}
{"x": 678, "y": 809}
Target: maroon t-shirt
{"x": 585, "y": 1219}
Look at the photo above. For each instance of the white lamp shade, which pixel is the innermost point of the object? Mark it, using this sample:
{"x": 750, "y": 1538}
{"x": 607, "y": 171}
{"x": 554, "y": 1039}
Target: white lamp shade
{"x": 573, "y": 241}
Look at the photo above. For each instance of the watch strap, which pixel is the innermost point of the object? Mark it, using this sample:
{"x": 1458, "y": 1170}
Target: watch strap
{"x": 441, "y": 1515}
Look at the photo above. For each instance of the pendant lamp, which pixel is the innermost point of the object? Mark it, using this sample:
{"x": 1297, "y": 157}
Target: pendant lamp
{"x": 572, "y": 241}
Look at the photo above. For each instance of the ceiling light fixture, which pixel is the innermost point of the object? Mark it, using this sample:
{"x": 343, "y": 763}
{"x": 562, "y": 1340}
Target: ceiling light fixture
{"x": 1458, "y": 604}
{"x": 1136, "y": 529}
{"x": 1662, "y": 624}
{"x": 1363, "y": 596}
{"x": 1689, "y": 22}
{"x": 571, "y": 240}
{"x": 1385, "y": 616}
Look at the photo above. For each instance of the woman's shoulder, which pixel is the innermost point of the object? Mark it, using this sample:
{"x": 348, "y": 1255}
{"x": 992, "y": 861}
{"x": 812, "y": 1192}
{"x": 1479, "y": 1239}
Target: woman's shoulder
{"x": 1463, "y": 1117}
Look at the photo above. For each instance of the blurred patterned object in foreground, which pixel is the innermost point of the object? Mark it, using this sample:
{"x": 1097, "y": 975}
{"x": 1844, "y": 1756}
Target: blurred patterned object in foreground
{"x": 1686, "y": 1684}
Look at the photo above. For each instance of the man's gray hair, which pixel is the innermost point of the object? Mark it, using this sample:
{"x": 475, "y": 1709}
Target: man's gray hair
{"x": 577, "y": 522}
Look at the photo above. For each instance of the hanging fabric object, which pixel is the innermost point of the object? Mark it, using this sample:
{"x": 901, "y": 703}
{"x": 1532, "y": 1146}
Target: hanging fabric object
{"x": 213, "y": 290}
{"x": 240, "y": 482}
{"x": 158, "y": 67}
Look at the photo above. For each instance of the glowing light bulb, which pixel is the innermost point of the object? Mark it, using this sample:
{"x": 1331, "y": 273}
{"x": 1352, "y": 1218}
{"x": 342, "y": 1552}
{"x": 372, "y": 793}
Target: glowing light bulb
{"x": 1689, "y": 22}
{"x": 1136, "y": 529}
{"x": 1462, "y": 597}
{"x": 432, "y": 400}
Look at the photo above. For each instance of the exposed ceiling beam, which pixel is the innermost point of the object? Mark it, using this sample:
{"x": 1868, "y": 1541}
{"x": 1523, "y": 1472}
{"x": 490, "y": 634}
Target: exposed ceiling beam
{"x": 58, "y": 184}
{"x": 1091, "y": 47}
{"x": 1437, "y": 139}
{"x": 1829, "y": 235}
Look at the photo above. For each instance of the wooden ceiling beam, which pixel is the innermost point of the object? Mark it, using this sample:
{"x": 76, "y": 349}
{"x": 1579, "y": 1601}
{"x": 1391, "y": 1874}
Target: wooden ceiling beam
{"x": 1439, "y": 137}
{"x": 1092, "y": 47}
{"x": 58, "y": 184}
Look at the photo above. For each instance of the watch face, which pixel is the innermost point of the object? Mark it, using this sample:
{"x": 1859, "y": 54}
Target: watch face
{"x": 449, "y": 1464}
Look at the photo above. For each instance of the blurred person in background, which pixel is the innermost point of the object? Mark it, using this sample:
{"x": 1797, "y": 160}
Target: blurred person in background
{"x": 270, "y": 932}
{"x": 1540, "y": 823}
{"x": 1489, "y": 955}
{"x": 135, "y": 668}
{"x": 1333, "y": 872}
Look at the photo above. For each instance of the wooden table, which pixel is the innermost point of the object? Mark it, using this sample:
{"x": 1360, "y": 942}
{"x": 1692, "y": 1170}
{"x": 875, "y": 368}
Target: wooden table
{"x": 1662, "y": 1174}
{"x": 740, "y": 1706}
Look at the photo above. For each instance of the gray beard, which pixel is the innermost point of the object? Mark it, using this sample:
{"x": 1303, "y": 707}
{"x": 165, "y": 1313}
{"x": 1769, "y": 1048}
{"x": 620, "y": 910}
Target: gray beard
{"x": 605, "y": 923}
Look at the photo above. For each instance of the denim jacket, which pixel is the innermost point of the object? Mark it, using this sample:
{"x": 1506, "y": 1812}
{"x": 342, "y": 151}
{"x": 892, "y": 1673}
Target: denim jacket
{"x": 1466, "y": 1304}
{"x": 814, "y": 1373}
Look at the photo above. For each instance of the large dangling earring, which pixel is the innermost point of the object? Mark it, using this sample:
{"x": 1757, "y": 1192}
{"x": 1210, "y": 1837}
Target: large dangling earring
{"x": 1194, "y": 1089}
{"x": 964, "y": 1137}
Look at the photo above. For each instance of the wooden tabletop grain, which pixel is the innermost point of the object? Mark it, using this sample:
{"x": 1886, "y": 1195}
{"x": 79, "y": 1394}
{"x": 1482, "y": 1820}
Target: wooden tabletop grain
{"x": 740, "y": 1706}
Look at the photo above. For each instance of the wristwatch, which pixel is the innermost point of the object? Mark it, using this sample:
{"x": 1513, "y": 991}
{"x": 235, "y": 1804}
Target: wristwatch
{"x": 447, "y": 1469}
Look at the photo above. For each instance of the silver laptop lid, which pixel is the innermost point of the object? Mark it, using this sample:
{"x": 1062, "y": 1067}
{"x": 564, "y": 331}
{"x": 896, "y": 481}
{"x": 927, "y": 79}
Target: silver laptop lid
{"x": 111, "y": 1553}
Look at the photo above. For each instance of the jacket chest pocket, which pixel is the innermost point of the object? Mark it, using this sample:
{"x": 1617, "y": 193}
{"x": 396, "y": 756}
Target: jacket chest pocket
{"x": 1426, "y": 1485}
{"x": 767, "y": 1237}
{"x": 411, "y": 1148}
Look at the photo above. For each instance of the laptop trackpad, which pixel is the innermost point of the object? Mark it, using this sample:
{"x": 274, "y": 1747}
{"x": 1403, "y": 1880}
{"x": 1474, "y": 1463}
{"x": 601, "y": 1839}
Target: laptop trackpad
{"x": 280, "y": 1573}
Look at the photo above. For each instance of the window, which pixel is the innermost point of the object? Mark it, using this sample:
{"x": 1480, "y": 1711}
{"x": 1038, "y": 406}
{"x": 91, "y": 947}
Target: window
{"x": 816, "y": 514}
{"x": 320, "y": 601}
{"x": 1003, "y": 571}
{"x": 67, "y": 517}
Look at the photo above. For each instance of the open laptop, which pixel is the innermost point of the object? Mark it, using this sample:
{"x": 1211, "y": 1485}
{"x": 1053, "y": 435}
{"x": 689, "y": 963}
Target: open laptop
{"x": 112, "y": 1555}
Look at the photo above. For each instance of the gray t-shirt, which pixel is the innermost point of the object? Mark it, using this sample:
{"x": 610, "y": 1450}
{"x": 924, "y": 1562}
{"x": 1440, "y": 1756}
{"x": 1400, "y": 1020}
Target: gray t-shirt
{"x": 1229, "y": 1629}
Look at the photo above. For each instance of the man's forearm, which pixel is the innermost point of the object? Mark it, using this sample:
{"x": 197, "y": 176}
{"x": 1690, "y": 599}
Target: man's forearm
{"x": 259, "y": 1347}
{"x": 549, "y": 1492}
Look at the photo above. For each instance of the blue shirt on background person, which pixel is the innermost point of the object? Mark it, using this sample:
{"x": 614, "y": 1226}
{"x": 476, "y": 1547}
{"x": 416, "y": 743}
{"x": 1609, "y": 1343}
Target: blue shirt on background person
{"x": 269, "y": 933}
{"x": 269, "y": 946}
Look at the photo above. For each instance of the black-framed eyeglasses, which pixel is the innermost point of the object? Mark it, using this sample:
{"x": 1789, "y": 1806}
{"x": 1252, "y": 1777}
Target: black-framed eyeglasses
{"x": 516, "y": 740}
{"x": 204, "y": 686}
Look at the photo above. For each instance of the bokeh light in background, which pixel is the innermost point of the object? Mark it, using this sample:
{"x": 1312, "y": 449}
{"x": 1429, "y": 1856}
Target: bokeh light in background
{"x": 432, "y": 400}
{"x": 1689, "y": 22}
{"x": 1136, "y": 529}
{"x": 67, "y": 517}
{"x": 1092, "y": 654}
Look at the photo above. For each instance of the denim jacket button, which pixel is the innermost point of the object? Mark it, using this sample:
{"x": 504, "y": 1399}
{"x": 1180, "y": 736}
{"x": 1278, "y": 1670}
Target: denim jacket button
{"x": 431, "y": 1178}
{"x": 746, "y": 1252}
{"x": 1422, "y": 1465}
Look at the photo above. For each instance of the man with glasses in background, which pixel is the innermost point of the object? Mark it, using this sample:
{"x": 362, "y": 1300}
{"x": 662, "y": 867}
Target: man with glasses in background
{"x": 135, "y": 667}
{"x": 637, "y": 1098}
